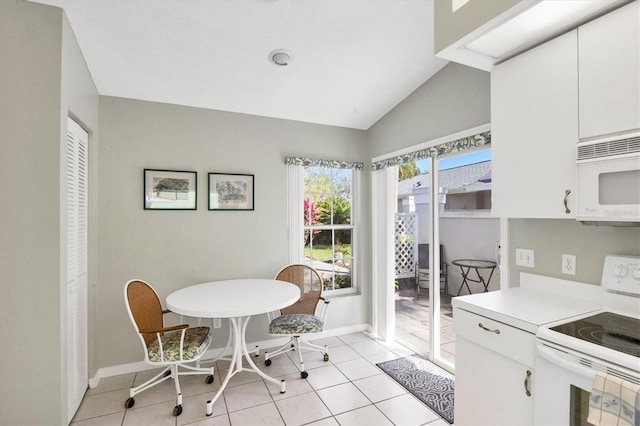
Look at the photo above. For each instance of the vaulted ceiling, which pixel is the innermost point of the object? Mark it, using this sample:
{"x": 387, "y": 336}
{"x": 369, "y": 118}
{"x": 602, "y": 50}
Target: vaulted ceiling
{"x": 352, "y": 60}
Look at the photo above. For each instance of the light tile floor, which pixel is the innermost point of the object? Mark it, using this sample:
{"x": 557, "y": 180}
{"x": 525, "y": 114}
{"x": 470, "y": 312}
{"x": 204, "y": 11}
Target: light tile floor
{"x": 349, "y": 389}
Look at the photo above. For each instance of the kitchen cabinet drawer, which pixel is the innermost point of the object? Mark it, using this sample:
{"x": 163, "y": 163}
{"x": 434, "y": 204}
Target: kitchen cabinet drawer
{"x": 506, "y": 340}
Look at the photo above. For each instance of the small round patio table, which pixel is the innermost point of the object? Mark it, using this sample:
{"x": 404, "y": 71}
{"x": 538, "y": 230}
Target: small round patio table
{"x": 476, "y": 265}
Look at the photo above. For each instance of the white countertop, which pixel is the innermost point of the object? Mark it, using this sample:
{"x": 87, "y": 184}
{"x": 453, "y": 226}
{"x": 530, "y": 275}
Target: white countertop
{"x": 524, "y": 308}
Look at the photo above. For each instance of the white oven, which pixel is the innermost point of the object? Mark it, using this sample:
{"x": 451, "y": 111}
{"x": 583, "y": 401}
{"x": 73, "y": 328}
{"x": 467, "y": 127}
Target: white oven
{"x": 570, "y": 352}
{"x": 608, "y": 181}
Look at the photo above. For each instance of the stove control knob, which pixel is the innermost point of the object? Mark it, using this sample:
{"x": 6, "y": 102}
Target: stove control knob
{"x": 619, "y": 270}
{"x": 636, "y": 273}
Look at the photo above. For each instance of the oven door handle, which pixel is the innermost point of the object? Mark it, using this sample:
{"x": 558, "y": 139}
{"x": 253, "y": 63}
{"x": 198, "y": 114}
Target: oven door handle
{"x": 549, "y": 355}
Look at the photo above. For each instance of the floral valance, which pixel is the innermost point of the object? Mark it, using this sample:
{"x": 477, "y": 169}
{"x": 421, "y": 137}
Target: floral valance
{"x": 462, "y": 144}
{"x": 335, "y": 164}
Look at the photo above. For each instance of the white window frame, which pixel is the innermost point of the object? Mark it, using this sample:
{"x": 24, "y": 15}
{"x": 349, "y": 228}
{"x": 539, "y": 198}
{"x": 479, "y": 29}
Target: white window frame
{"x": 295, "y": 217}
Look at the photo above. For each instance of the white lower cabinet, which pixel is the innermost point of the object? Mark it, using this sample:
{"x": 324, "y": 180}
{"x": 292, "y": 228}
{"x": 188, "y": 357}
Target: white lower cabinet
{"x": 494, "y": 372}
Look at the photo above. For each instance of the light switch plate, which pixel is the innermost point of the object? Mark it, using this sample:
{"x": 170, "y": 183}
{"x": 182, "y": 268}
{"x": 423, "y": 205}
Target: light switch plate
{"x": 525, "y": 257}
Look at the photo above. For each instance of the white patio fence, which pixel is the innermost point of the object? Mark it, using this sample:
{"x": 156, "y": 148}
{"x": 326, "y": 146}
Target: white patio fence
{"x": 406, "y": 244}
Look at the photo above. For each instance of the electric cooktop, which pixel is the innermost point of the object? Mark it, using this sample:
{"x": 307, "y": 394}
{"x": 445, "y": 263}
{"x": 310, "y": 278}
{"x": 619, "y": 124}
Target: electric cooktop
{"x": 618, "y": 332}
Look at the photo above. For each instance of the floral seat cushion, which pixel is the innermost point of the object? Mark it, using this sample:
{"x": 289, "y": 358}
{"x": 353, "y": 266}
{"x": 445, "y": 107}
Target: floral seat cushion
{"x": 296, "y": 324}
{"x": 196, "y": 341}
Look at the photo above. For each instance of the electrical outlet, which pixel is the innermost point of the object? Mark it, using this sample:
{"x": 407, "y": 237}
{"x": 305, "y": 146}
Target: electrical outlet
{"x": 217, "y": 323}
{"x": 568, "y": 264}
{"x": 525, "y": 257}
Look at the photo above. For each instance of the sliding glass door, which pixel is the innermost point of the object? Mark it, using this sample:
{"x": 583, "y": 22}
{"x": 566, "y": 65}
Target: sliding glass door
{"x": 466, "y": 235}
{"x": 453, "y": 224}
{"x": 444, "y": 186}
{"x": 417, "y": 297}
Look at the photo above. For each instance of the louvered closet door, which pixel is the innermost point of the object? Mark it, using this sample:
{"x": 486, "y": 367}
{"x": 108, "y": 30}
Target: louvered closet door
{"x": 76, "y": 184}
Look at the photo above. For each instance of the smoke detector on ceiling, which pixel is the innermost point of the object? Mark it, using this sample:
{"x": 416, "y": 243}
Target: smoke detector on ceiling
{"x": 280, "y": 57}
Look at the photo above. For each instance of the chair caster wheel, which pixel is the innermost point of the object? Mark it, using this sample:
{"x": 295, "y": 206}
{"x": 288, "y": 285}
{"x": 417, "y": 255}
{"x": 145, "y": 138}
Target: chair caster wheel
{"x": 304, "y": 374}
{"x": 267, "y": 362}
{"x": 210, "y": 379}
{"x": 129, "y": 403}
{"x": 326, "y": 357}
{"x": 177, "y": 410}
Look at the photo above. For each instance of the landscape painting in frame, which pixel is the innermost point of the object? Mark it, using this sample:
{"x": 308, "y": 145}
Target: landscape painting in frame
{"x": 169, "y": 190}
{"x": 228, "y": 191}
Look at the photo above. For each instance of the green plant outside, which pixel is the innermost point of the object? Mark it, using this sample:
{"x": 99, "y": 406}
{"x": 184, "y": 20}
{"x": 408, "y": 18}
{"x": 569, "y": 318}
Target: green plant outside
{"x": 322, "y": 251}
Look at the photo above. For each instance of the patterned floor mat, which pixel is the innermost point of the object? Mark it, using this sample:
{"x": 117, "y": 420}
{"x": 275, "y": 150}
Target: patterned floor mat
{"x": 428, "y": 382}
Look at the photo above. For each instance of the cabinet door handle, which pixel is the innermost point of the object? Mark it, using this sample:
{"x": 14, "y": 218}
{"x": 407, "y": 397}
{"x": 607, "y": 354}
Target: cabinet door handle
{"x": 527, "y": 383}
{"x": 566, "y": 200}
{"x": 488, "y": 329}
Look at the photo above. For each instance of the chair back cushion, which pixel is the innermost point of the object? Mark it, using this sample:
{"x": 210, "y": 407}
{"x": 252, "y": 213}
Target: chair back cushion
{"x": 145, "y": 308}
{"x": 310, "y": 284}
{"x": 423, "y": 257}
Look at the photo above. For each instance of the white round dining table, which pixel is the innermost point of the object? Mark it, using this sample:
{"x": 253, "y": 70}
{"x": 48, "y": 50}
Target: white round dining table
{"x": 236, "y": 300}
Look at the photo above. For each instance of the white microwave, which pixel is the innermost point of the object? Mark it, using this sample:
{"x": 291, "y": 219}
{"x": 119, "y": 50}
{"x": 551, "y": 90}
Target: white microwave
{"x": 608, "y": 181}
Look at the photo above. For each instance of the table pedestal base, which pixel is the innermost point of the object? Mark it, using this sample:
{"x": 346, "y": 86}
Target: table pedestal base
{"x": 238, "y": 327}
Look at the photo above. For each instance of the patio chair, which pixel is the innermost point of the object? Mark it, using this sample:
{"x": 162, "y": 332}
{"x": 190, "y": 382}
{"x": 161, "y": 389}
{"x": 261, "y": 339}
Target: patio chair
{"x": 423, "y": 270}
{"x": 170, "y": 347}
{"x": 304, "y": 317}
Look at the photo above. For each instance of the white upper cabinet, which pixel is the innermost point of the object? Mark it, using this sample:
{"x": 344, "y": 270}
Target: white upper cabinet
{"x": 534, "y": 126}
{"x": 609, "y": 73}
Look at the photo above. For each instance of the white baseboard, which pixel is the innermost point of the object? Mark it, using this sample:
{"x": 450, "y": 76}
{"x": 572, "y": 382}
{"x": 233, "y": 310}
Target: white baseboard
{"x": 134, "y": 367}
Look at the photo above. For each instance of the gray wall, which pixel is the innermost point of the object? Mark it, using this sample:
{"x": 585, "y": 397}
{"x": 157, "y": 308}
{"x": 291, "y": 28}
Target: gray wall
{"x": 43, "y": 79}
{"x": 455, "y": 99}
{"x": 551, "y": 238}
{"x": 173, "y": 249}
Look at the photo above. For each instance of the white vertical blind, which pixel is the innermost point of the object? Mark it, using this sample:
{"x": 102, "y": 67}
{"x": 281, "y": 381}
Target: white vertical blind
{"x": 76, "y": 188}
{"x": 356, "y": 216}
{"x": 384, "y": 196}
{"x": 295, "y": 213}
